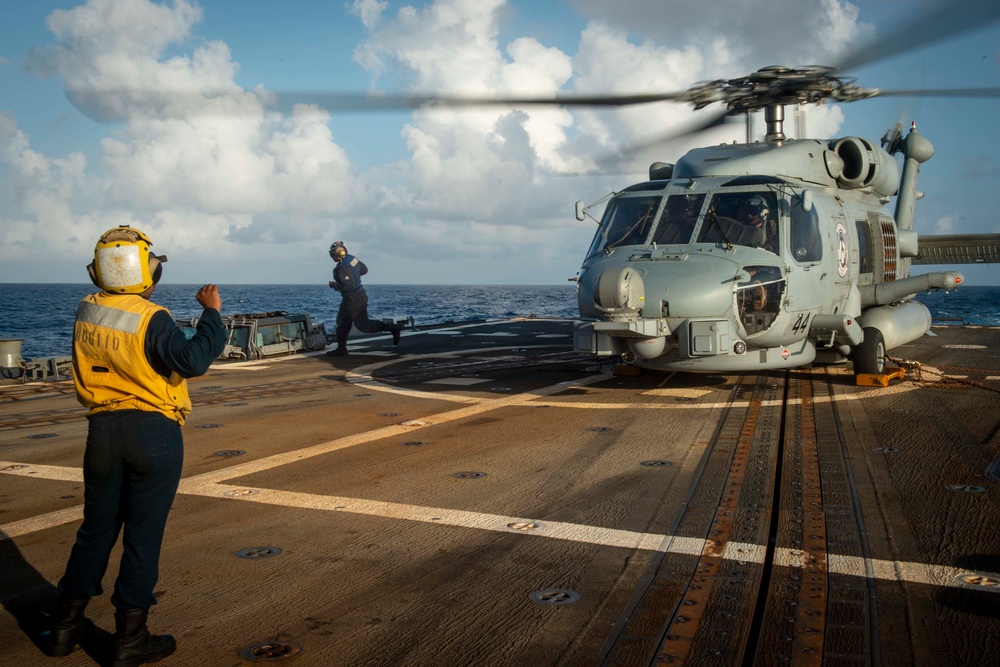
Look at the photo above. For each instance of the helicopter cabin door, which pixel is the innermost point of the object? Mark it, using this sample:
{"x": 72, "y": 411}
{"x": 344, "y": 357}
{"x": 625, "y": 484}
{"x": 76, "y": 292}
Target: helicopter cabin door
{"x": 805, "y": 250}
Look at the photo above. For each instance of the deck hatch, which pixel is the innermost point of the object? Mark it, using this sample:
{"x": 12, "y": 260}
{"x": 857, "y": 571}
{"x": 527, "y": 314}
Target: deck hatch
{"x": 555, "y": 596}
{"x": 270, "y": 651}
{"x": 258, "y": 552}
{"x": 469, "y": 475}
{"x": 978, "y": 580}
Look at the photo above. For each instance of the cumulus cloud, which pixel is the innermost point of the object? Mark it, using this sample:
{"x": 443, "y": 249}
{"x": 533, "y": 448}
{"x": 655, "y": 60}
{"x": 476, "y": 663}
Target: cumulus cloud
{"x": 766, "y": 31}
{"x": 369, "y": 11}
{"x": 946, "y": 225}
{"x": 195, "y": 153}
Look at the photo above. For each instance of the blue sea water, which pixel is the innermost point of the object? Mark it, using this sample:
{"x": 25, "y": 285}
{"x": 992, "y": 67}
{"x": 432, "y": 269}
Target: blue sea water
{"x": 42, "y": 314}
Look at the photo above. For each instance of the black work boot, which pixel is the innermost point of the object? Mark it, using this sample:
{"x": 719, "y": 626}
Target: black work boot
{"x": 133, "y": 644}
{"x": 68, "y": 624}
{"x": 337, "y": 352}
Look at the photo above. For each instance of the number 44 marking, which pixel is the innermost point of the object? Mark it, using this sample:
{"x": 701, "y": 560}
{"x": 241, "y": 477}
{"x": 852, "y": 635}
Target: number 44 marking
{"x": 801, "y": 324}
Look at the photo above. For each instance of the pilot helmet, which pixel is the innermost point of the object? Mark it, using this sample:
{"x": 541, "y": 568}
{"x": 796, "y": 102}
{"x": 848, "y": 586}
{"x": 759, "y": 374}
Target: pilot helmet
{"x": 338, "y": 250}
{"x": 123, "y": 262}
{"x": 756, "y": 206}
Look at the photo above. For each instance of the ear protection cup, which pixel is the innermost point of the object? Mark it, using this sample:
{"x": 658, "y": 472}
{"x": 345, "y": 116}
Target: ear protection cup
{"x": 338, "y": 250}
{"x": 92, "y": 272}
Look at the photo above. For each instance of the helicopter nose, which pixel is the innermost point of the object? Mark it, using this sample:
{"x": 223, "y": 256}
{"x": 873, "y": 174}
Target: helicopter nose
{"x": 697, "y": 286}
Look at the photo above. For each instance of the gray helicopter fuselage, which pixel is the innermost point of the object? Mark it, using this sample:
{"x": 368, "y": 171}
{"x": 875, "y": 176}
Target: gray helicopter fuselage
{"x": 679, "y": 275}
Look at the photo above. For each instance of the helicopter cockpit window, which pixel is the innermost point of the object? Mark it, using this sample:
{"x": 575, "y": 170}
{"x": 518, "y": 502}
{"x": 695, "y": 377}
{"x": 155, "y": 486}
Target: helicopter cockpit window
{"x": 678, "y": 220}
{"x": 742, "y": 218}
{"x": 628, "y": 220}
{"x": 803, "y": 236}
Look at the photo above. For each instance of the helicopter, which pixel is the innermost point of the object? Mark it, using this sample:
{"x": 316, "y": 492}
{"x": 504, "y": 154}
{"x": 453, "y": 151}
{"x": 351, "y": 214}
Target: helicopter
{"x": 768, "y": 255}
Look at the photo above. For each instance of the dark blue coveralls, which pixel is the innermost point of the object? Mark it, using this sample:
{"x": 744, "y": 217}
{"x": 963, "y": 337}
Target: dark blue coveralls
{"x": 131, "y": 470}
{"x": 354, "y": 300}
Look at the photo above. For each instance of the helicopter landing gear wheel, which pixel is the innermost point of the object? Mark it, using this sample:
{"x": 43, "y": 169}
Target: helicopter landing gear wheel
{"x": 869, "y": 356}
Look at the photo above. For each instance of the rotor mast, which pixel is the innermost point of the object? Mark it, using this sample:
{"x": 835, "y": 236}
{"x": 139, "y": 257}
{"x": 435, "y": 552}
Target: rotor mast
{"x": 774, "y": 122}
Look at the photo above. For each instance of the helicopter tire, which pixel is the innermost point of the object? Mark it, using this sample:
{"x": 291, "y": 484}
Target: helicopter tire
{"x": 869, "y": 356}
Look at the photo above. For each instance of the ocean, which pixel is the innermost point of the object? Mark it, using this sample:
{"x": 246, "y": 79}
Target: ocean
{"x": 42, "y": 314}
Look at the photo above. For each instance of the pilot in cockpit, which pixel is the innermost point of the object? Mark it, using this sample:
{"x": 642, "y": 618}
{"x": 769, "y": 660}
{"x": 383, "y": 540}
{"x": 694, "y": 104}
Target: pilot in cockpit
{"x": 757, "y": 214}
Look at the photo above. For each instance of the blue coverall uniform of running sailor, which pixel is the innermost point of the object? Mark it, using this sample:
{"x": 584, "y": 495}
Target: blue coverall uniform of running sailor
{"x": 354, "y": 300}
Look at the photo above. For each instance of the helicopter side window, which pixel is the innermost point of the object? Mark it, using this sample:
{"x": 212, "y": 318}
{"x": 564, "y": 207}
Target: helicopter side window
{"x": 864, "y": 242}
{"x": 629, "y": 220}
{"x": 744, "y": 218}
{"x": 804, "y": 237}
{"x": 679, "y": 217}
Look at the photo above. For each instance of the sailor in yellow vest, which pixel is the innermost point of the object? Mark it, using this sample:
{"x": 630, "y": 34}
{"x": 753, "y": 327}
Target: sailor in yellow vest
{"x": 130, "y": 361}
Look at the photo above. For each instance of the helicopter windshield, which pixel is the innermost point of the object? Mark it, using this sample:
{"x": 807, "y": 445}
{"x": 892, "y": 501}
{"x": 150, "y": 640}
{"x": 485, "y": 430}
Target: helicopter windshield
{"x": 628, "y": 220}
{"x": 742, "y": 218}
{"x": 678, "y": 220}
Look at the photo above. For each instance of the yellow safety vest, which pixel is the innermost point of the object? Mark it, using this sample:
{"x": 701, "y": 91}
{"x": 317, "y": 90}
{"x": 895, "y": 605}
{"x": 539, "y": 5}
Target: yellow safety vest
{"x": 110, "y": 368}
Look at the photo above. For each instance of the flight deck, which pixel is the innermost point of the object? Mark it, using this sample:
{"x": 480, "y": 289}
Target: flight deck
{"x": 484, "y": 495}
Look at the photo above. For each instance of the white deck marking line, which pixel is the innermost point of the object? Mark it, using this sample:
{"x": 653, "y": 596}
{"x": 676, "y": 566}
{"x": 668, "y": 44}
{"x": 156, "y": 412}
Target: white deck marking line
{"x": 409, "y": 426}
{"x": 40, "y": 522}
{"x": 57, "y": 473}
{"x": 920, "y": 573}
{"x": 886, "y": 391}
{"x": 450, "y": 517}
{"x": 363, "y": 374}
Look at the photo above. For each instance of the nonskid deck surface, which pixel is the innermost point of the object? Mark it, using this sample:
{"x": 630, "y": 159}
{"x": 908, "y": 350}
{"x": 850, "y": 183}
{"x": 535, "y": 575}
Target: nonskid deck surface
{"x": 482, "y": 495}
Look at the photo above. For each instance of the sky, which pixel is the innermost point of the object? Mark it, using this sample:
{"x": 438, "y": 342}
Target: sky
{"x": 242, "y": 180}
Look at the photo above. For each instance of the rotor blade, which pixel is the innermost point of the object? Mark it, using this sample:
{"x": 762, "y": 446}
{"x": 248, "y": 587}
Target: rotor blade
{"x": 944, "y": 20}
{"x": 98, "y": 104}
{"x": 715, "y": 120}
{"x": 377, "y": 102}
{"x": 941, "y": 92}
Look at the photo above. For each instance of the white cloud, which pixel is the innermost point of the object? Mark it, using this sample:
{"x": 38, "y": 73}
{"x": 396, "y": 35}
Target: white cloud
{"x": 946, "y": 225}
{"x": 369, "y": 11}
{"x": 196, "y": 154}
{"x": 766, "y": 31}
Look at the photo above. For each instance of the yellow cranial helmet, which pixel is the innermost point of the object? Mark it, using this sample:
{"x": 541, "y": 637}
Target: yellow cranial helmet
{"x": 123, "y": 262}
